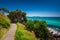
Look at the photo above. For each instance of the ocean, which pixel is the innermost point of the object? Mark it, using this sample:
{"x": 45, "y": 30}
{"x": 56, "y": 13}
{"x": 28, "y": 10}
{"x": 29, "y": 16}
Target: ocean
{"x": 53, "y": 22}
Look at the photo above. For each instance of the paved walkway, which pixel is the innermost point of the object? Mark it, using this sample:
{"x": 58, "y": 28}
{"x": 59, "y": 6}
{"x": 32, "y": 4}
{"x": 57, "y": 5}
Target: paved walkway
{"x": 11, "y": 33}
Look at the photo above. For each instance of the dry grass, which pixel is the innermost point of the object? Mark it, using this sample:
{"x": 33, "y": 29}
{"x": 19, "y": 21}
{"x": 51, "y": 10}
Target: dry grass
{"x": 2, "y": 32}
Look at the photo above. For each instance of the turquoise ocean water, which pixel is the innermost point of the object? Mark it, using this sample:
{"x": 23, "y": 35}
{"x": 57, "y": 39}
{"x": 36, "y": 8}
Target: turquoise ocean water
{"x": 51, "y": 21}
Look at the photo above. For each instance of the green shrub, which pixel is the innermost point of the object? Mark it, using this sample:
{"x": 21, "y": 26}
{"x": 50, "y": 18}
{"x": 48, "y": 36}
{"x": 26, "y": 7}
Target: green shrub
{"x": 17, "y": 16}
{"x": 39, "y": 28}
{"x": 22, "y": 34}
{"x": 4, "y": 21}
{"x": 4, "y": 24}
{"x": 30, "y": 25}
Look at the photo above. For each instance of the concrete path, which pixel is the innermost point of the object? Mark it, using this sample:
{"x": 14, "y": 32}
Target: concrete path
{"x": 11, "y": 33}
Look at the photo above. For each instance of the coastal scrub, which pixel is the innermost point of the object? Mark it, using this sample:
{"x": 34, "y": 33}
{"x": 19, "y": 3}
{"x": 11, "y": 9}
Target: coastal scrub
{"x": 23, "y": 34}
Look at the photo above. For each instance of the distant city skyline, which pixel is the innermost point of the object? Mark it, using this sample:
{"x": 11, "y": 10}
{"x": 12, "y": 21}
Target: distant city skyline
{"x": 42, "y": 8}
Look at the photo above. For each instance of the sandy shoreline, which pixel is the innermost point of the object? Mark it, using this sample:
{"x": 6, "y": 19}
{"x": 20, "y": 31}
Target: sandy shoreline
{"x": 54, "y": 31}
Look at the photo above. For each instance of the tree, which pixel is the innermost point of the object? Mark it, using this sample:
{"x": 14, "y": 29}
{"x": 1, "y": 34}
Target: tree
{"x": 4, "y": 10}
{"x": 24, "y": 17}
{"x": 30, "y": 25}
{"x": 39, "y": 28}
{"x": 17, "y": 16}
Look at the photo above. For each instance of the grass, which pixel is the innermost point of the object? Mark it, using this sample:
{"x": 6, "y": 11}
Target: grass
{"x": 4, "y": 24}
{"x": 4, "y": 21}
{"x": 2, "y": 32}
{"x": 22, "y": 34}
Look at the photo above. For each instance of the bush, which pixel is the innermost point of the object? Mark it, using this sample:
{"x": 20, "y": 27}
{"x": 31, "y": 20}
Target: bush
{"x": 22, "y": 34}
{"x": 4, "y": 24}
{"x": 4, "y": 21}
{"x": 17, "y": 16}
{"x": 39, "y": 28}
{"x": 30, "y": 25}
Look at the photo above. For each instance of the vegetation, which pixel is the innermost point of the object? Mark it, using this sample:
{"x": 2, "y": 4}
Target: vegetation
{"x": 4, "y": 21}
{"x": 4, "y": 10}
{"x": 39, "y": 28}
{"x": 23, "y": 34}
{"x": 4, "y": 24}
{"x": 17, "y": 16}
{"x": 30, "y": 25}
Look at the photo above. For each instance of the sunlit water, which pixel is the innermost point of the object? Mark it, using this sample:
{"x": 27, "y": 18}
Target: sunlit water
{"x": 51, "y": 21}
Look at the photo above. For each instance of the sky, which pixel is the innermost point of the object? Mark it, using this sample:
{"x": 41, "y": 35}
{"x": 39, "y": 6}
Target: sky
{"x": 42, "y": 8}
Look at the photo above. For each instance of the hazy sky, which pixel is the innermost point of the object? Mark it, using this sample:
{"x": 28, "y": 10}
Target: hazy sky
{"x": 34, "y": 7}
